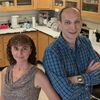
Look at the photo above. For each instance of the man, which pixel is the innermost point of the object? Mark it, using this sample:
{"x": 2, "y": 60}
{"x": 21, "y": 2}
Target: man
{"x": 70, "y": 62}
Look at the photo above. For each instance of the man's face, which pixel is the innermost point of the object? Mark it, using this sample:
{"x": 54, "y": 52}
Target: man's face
{"x": 70, "y": 24}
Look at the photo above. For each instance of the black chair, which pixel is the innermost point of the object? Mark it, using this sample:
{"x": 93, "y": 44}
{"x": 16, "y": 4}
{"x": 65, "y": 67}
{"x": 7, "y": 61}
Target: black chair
{"x": 1, "y": 68}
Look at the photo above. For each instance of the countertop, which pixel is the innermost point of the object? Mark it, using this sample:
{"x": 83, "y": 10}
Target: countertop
{"x": 39, "y": 28}
{"x": 54, "y": 34}
{"x": 47, "y": 31}
{"x": 96, "y": 45}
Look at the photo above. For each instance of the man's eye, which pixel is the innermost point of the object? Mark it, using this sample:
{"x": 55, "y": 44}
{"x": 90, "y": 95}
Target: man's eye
{"x": 68, "y": 23}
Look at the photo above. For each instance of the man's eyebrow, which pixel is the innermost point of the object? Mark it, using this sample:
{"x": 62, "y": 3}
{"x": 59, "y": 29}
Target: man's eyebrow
{"x": 66, "y": 20}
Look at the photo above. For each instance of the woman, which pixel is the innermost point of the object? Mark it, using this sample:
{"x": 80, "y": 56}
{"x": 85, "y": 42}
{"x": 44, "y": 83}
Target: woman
{"x": 22, "y": 80}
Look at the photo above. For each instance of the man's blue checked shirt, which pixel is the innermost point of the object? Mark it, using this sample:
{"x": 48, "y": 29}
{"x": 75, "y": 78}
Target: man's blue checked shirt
{"x": 61, "y": 61}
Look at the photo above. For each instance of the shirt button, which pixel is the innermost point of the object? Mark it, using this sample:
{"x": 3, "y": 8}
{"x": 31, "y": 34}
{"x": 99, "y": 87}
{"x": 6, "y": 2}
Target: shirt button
{"x": 87, "y": 98}
{"x": 86, "y": 88}
{"x": 86, "y": 84}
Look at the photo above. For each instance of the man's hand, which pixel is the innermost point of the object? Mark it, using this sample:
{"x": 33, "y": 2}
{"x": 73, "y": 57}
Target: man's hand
{"x": 93, "y": 66}
{"x": 73, "y": 79}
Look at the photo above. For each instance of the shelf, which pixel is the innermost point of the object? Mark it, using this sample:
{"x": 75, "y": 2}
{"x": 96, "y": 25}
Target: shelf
{"x": 90, "y": 3}
{"x": 71, "y": 0}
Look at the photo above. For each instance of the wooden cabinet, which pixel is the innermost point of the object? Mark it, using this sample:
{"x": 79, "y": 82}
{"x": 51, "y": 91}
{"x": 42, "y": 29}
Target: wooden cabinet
{"x": 73, "y": 3}
{"x": 58, "y": 4}
{"x": 43, "y": 41}
{"x": 33, "y": 36}
{"x": 6, "y": 38}
{"x": 13, "y": 5}
{"x": 43, "y": 4}
{"x": 91, "y": 8}
{"x": 25, "y": 4}
{"x": 1, "y": 52}
{"x": 51, "y": 39}
{"x": 42, "y": 44}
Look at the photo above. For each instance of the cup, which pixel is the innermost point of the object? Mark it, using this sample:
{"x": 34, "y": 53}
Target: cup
{"x": 33, "y": 22}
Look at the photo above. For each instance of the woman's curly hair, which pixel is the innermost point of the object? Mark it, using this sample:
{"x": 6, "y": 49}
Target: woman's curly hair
{"x": 21, "y": 39}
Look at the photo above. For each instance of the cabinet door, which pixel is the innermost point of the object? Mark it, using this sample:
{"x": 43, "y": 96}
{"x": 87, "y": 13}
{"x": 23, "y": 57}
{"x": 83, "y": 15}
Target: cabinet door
{"x": 73, "y": 3}
{"x": 42, "y": 44}
{"x": 33, "y": 35}
{"x": 1, "y": 52}
{"x": 43, "y": 4}
{"x": 7, "y": 5}
{"x": 13, "y": 5}
{"x": 91, "y": 8}
{"x": 5, "y": 41}
{"x": 51, "y": 39}
{"x": 25, "y": 4}
{"x": 58, "y": 4}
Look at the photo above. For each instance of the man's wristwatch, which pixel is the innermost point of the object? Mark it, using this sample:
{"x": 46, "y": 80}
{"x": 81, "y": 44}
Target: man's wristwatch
{"x": 80, "y": 79}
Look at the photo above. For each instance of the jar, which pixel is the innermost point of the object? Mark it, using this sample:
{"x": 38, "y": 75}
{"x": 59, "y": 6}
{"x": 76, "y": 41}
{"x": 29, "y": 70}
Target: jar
{"x": 6, "y": 4}
{"x": 11, "y": 3}
{"x": 27, "y": 25}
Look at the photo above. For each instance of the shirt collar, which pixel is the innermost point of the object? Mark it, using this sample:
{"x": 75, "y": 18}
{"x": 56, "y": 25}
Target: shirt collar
{"x": 65, "y": 44}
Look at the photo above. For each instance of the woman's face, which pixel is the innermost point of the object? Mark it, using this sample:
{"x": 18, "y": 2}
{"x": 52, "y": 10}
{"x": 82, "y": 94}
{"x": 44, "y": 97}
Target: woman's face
{"x": 21, "y": 53}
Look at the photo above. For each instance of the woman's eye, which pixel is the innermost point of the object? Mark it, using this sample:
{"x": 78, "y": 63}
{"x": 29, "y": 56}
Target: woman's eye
{"x": 25, "y": 48}
{"x": 15, "y": 48}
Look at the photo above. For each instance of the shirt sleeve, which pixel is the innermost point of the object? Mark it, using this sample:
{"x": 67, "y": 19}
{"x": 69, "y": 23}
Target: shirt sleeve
{"x": 92, "y": 78}
{"x": 58, "y": 77}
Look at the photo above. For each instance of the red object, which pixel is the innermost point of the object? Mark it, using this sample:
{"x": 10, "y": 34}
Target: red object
{"x": 4, "y": 26}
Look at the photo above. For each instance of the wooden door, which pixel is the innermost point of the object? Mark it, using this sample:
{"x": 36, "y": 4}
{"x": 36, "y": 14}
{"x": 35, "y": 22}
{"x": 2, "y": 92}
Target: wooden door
{"x": 42, "y": 44}
{"x": 33, "y": 35}
{"x": 43, "y": 4}
{"x": 1, "y": 52}
{"x": 51, "y": 39}
{"x": 5, "y": 41}
{"x": 90, "y": 9}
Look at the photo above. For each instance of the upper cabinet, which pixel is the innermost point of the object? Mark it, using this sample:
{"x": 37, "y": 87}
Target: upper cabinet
{"x": 91, "y": 8}
{"x": 66, "y": 3}
{"x": 59, "y": 4}
{"x": 12, "y": 5}
{"x": 25, "y": 4}
{"x": 43, "y": 4}
{"x": 73, "y": 3}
